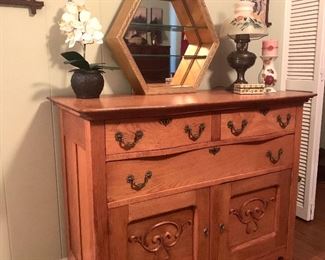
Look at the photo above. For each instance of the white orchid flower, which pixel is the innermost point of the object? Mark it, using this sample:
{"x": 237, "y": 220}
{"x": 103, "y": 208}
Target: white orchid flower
{"x": 68, "y": 18}
{"x": 70, "y": 39}
{"x": 93, "y": 25}
{"x": 84, "y": 16}
{"x": 98, "y": 37}
{"x": 78, "y": 35}
{"x": 66, "y": 22}
{"x": 66, "y": 27}
{"x": 87, "y": 38}
{"x": 71, "y": 8}
{"x": 77, "y": 25}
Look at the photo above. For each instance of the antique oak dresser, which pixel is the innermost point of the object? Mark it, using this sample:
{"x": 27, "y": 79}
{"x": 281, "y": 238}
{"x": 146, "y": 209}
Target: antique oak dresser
{"x": 203, "y": 176}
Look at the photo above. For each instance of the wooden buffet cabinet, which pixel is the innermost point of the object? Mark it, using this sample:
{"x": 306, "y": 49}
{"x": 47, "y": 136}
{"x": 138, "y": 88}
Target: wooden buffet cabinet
{"x": 210, "y": 175}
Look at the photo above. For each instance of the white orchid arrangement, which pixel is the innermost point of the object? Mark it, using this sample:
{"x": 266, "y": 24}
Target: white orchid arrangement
{"x": 79, "y": 26}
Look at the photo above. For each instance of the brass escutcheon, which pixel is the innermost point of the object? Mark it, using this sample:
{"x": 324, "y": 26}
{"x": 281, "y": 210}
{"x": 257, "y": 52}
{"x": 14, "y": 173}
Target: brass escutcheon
{"x": 165, "y": 121}
{"x": 214, "y": 150}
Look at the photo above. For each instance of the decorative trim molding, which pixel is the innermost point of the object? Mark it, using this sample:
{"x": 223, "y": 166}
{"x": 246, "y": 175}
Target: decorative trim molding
{"x": 32, "y": 5}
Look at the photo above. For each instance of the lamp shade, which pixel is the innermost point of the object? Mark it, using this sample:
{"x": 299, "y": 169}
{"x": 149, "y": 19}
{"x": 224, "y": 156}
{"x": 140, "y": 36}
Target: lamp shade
{"x": 244, "y": 21}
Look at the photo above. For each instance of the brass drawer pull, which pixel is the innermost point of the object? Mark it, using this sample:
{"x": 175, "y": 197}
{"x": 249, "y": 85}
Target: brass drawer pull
{"x": 139, "y": 186}
{"x": 214, "y": 150}
{"x": 272, "y": 159}
{"x": 284, "y": 124}
{"x": 119, "y": 137}
{"x": 194, "y": 137}
{"x": 234, "y": 131}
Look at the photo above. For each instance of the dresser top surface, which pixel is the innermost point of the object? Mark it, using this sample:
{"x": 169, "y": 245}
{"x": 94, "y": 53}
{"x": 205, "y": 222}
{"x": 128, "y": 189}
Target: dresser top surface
{"x": 176, "y": 103}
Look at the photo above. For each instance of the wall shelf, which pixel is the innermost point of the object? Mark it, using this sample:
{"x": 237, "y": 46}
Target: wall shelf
{"x": 32, "y": 5}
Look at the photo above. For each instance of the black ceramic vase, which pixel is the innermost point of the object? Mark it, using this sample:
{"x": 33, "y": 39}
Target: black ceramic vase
{"x": 87, "y": 84}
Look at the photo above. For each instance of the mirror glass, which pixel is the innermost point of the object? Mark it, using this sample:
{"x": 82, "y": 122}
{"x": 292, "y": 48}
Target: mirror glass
{"x": 156, "y": 41}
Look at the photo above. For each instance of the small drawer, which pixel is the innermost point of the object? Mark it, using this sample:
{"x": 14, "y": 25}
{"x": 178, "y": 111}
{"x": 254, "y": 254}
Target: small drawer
{"x": 256, "y": 123}
{"x": 155, "y": 134}
{"x": 132, "y": 178}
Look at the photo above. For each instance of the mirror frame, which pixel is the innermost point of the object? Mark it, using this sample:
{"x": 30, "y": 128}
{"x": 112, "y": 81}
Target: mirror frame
{"x": 203, "y": 41}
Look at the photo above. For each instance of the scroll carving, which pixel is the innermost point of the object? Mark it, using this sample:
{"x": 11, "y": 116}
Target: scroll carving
{"x": 160, "y": 243}
{"x": 251, "y": 212}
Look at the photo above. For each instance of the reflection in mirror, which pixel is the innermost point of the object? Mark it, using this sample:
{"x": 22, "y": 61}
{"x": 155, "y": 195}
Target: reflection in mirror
{"x": 157, "y": 41}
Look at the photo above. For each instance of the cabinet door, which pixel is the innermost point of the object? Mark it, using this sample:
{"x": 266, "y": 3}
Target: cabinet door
{"x": 174, "y": 227}
{"x": 251, "y": 217}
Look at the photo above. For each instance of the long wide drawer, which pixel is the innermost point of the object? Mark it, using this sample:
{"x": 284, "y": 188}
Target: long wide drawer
{"x": 132, "y": 178}
{"x": 154, "y": 134}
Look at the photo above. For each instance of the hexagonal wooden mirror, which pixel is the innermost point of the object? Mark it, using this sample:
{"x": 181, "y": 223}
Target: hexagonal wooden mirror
{"x": 163, "y": 46}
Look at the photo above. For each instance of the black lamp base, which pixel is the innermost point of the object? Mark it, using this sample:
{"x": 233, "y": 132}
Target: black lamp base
{"x": 241, "y": 59}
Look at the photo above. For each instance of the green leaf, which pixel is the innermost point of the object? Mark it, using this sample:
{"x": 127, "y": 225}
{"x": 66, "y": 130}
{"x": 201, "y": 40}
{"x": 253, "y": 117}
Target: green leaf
{"x": 75, "y": 59}
{"x": 110, "y": 67}
{"x": 69, "y": 62}
{"x": 97, "y": 66}
{"x": 72, "y": 55}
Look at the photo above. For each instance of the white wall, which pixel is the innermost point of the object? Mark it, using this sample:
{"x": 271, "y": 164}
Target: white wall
{"x": 31, "y": 215}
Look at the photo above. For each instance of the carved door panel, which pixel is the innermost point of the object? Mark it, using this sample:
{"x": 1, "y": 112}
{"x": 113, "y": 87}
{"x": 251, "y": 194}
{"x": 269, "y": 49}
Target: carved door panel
{"x": 169, "y": 236}
{"x": 174, "y": 227}
{"x": 251, "y": 216}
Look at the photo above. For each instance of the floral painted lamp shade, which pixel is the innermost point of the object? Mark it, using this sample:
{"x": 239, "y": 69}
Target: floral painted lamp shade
{"x": 244, "y": 21}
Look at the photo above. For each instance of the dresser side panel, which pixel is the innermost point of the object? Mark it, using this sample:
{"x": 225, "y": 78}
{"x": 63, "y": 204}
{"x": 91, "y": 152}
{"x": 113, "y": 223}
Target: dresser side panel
{"x": 96, "y": 188}
{"x": 87, "y": 220}
{"x": 72, "y": 200}
{"x": 72, "y": 136}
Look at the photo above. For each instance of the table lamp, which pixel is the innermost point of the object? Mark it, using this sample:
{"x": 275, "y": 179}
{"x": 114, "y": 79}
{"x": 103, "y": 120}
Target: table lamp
{"x": 243, "y": 27}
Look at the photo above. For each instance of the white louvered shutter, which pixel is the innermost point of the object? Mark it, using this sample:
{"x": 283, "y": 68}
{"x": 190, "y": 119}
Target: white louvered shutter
{"x": 304, "y": 63}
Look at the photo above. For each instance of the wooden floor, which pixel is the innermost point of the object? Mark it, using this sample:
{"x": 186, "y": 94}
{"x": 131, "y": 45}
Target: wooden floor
{"x": 310, "y": 236}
